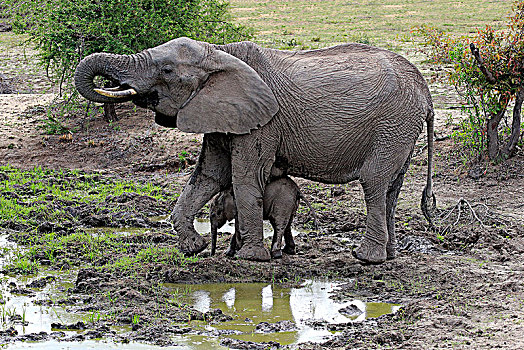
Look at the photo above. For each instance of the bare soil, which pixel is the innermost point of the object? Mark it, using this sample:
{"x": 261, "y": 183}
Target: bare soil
{"x": 462, "y": 288}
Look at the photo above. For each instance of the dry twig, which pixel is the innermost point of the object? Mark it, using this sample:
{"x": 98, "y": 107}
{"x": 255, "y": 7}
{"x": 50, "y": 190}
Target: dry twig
{"x": 460, "y": 209}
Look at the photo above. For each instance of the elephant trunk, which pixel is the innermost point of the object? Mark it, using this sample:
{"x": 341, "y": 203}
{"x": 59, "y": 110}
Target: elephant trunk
{"x": 109, "y": 66}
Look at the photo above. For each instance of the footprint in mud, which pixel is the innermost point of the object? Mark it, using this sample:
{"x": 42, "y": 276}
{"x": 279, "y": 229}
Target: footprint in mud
{"x": 417, "y": 244}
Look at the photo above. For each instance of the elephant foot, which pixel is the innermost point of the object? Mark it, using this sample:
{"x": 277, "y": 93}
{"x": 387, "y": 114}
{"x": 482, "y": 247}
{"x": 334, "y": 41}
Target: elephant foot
{"x": 192, "y": 245}
{"x": 372, "y": 254}
{"x": 390, "y": 252}
{"x": 257, "y": 253}
{"x": 230, "y": 252}
{"x": 290, "y": 250}
{"x": 276, "y": 254}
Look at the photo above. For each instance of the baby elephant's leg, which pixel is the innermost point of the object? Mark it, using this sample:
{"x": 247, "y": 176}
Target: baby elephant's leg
{"x": 221, "y": 210}
{"x": 290, "y": 247}
{"x": 279, "y": 228}
{"x": 280, "y": 204}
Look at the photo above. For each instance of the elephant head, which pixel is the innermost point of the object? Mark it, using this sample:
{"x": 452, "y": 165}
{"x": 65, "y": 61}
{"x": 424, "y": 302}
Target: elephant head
{"x": 190, "y": 85}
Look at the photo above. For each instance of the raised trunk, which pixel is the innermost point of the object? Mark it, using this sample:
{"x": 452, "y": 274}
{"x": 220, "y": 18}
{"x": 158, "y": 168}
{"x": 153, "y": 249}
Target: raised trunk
{"x": 113, "y": 67}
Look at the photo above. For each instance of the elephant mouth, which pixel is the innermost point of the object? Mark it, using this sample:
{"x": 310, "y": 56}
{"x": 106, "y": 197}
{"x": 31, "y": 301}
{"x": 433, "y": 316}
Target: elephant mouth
{"x": 150, "y": 100}
{"x": 164, "y": 120}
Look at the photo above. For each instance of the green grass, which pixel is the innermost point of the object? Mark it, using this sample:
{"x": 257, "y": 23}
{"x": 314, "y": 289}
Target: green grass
{"x": 37, "y": 195}
{"x": 111, "y": 251}
{"x": 39, "y": 188}
{"x": 168, "y": 256}
{"x": 304, "y": 24}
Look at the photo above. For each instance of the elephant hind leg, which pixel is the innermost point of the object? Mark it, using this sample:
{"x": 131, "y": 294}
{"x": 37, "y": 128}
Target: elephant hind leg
{"x": 375, "y": 177}
{"x": 372, "y": 249}
{"x": 278, "y": 232}
{"x": 391, "y": 204}
{"x": 290, "y": 247}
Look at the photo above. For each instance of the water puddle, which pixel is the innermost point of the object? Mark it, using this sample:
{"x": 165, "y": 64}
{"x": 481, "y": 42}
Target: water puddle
{"x": 203, "y": 226}
{"x": 253, "y": 303}
{"x": 20, "y": 308}
{"x": 261, "y": 312}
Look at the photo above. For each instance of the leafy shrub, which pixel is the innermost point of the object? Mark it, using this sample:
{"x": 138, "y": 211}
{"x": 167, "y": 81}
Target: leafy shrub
{"x": 487, "y": 70}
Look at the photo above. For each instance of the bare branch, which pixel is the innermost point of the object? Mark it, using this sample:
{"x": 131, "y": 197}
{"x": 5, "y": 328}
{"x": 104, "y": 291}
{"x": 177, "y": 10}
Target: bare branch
{"x": 481, "y": 64}
{"x": 461, "y": 208}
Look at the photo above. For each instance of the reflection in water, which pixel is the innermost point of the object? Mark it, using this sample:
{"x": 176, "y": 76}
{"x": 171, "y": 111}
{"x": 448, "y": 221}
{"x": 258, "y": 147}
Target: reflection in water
{"x": 252, "y": 303}
{"x": 229, "y": 298}
{"x": 267, "y": 298}
{"x": 202, "y": 300}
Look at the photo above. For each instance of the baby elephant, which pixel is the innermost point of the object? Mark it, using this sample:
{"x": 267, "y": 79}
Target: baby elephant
{"x": 281, "y": 199}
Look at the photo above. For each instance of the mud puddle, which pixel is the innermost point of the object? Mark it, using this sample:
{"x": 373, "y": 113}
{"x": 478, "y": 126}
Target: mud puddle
{"x": 203, "y": 226}
{"x": 264, "y": 313}
{"x": 27, "y": 316}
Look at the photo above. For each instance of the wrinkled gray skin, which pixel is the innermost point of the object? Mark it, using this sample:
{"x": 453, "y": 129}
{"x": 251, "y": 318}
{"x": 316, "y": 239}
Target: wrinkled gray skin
{"x": 334, "y": 115}
{"x": 280, "y": 203}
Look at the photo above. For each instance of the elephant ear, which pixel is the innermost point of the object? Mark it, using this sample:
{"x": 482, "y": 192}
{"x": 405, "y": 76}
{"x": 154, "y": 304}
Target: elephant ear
{"x": 234, "y": 99}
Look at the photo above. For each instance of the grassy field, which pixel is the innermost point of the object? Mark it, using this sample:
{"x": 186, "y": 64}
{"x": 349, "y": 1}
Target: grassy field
{"x": 305, "y": 24}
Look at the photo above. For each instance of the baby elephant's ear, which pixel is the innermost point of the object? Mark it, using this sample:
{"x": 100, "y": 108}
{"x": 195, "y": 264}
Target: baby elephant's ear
{"x": 233, "y": 99}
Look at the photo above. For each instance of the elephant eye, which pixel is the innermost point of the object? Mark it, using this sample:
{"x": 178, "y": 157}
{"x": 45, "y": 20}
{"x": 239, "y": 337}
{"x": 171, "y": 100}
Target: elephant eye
{"x": 167, "y": 70}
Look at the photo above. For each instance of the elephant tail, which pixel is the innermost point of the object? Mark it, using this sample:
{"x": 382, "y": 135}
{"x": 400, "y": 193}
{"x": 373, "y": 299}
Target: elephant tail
{"x": 312, "y": 211}
{"x": 429, "y": 201}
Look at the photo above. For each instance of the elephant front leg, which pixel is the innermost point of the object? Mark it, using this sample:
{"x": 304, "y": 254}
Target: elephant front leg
{"x": 250, "y": 223}
{"x": 211, "y": 175}
{"x": 193, "y": 197}
{"x": 252, "y": 157}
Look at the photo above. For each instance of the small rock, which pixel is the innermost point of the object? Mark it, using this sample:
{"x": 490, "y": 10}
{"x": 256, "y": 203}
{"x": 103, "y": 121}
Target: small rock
{"x": 41, "y": 283}
{"x": 73, "y": 326}
{"x": 217, "y": 315}
{"x": 477, "y": 171}
{"x": 249, "y": 345}
{"x": 9, "y": 332}
{"x": 33, "y": 337}
{"x": 351, "y": 310}
{"x": 46, "y": 227}
{"x": 281, "y": 326}
{"x": 5, "y": 27}
{"x": 337, "y": 191}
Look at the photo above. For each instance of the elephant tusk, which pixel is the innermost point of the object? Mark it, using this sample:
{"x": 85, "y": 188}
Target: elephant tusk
{"x": 115, "y": 92}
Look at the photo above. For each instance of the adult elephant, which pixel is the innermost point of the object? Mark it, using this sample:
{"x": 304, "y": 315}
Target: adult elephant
{"x": 331, "y": 115}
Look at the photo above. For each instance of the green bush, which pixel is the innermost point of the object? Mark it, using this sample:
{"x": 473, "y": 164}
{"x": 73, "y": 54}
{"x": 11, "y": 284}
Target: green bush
{"x": 65, "y": 31}
{"x": 487, "y": 70}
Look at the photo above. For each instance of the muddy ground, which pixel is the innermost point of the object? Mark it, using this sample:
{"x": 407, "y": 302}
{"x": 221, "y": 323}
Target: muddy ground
{"x": 461, "y": 286}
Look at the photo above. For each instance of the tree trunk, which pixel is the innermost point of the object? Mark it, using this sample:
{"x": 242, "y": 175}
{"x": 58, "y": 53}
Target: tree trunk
{"x": 493, "y": 134}
{"x": 515, "y": 125}
{"x": 110, "y": 112}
